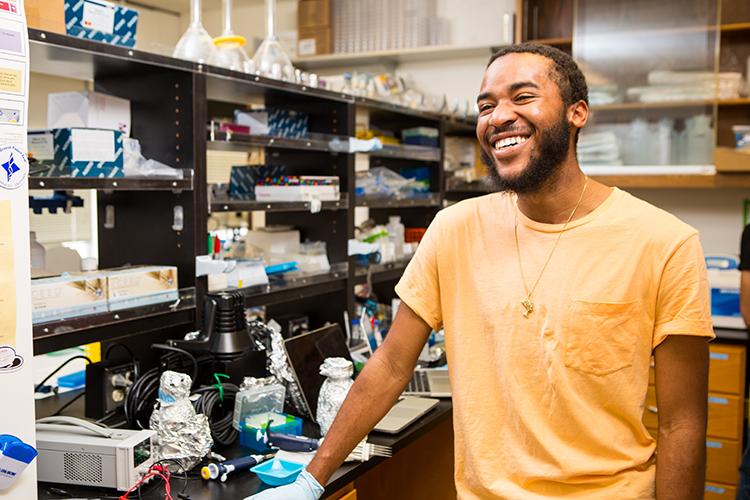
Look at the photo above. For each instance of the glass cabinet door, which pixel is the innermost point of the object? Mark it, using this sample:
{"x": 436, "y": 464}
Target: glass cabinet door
{"x": 653, "y": 82}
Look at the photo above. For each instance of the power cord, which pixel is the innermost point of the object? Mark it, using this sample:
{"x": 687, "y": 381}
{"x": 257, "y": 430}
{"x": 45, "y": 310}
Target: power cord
{"x": 216, "y": 402}
{"x": 41, "y": 384}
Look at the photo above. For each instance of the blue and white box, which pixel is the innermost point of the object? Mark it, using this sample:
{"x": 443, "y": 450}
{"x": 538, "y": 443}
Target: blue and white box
{"x": 275, "y": 122}
{"x": 242, "y": 179}
{"x": 67, "y": 297}
{"x": 83, "y": 152}
{"x": 724, "y": 281}
{"x": 101, "y": 21}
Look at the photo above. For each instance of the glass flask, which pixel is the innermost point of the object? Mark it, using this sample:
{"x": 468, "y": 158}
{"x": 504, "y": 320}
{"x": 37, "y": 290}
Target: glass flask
{"x": 196, "y": 44}
{"x": 229, "y": 52}
{"x": 271, "y": 60}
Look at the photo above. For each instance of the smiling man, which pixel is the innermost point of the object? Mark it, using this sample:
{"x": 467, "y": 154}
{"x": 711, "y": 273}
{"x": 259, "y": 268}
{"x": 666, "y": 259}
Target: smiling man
{"x": 554, "y": 293}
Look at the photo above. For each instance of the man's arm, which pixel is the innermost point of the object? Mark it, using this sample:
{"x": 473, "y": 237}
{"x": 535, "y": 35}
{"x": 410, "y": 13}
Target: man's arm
{"x": 374, "y": 392}
{"x": 681, "y": 372}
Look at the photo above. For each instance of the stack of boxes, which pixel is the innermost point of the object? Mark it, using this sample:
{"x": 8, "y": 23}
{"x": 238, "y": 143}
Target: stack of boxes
{"x": 314, "y": 24}
{"x": 66, "y": 297}
{"x": 84, "y": 137}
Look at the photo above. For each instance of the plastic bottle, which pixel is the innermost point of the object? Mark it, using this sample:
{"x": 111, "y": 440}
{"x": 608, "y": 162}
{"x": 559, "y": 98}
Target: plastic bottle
{"x": 663, "y": 141}
{"x": 396, "y": 232}
{"x": 37, "y": 251}
{"x": 638, "y": 143}
{"x": 700, "y": 141}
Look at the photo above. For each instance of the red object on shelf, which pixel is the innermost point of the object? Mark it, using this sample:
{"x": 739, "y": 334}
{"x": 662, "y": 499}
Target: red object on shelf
{"x": 414, "y": 234}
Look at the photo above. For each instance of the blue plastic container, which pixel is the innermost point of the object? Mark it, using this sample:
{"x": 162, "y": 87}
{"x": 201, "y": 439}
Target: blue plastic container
{"x": 278, "y": 472}
{"x": 253, "y": 436}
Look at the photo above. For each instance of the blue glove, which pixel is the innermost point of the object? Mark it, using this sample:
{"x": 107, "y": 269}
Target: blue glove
{"x": 304, "y": 488}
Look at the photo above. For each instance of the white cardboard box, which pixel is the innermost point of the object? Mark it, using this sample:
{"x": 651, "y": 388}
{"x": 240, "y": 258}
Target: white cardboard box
{"x": 88, "y": 110}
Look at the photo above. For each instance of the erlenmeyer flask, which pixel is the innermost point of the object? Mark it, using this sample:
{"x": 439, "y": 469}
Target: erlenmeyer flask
{"x": 229, "y": 52}
{"x": 196, "y": 44}
{"x": 271, "y": 60}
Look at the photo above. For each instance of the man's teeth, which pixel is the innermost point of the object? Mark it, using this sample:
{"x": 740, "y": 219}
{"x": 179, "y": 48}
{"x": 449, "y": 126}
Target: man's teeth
{"x": 509, "y": 141}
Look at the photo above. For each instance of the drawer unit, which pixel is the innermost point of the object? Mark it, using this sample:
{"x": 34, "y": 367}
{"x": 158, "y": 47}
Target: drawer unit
{"x": 726, "y": 371}
{"x": 725, "y": 416}
{"x": 723, "y": 460}
{"x": 716, "y": 491}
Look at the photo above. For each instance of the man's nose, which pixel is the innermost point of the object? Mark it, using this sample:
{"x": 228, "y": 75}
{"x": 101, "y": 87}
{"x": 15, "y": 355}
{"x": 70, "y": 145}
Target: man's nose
{"x": 503, "y": 115}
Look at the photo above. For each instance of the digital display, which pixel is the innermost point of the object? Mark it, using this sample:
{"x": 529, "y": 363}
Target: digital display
{"x": 141, "y": 452}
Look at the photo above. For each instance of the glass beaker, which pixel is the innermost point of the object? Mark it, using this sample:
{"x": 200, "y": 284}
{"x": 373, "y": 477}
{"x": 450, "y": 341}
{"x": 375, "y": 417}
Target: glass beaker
{"x": 271, "y": 60}
{"x": 196, "y": 44}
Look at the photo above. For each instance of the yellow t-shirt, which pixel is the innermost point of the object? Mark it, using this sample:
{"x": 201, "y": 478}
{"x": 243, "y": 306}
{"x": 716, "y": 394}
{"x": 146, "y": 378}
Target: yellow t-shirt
{"x": 550, "y": 406}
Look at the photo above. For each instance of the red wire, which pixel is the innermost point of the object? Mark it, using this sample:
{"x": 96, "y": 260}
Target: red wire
{"x": 147, "y": 476}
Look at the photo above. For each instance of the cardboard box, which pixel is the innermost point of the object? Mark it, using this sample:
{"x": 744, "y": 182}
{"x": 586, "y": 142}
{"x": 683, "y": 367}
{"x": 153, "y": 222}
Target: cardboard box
{"x": 276, "y": 122}
{"x": 47, "y": 15}
{"x": 314, "y": 42}
{"x": 67, "y": 297}
{"x": 82, "y": 152}
{"x": 732, "y": 159}
{"x": 140, "y": 286}
{"x": 101, "y": 21}
{"x": 314, "y": 14}
{"x": 242, "y": 179}
{"x": 88, "y": 109}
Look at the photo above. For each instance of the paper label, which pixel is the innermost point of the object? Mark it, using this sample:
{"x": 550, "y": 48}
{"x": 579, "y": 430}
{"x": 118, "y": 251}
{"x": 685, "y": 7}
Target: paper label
{"x": 307, "y": 47}
{"x": 719, "y": 356}
{"x": 98, "y": 17}
{"x": 42, "y": 146}
{"x": 92, "y": 145}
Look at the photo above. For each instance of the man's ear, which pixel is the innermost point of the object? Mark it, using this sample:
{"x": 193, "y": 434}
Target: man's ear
{"x": 578, "y": 114}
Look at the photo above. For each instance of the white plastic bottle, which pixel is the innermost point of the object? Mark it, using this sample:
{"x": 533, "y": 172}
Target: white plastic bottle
{"x": 37, "y": 251}
{"x": 700, "y": 141}
{"x": 396, "y": 232}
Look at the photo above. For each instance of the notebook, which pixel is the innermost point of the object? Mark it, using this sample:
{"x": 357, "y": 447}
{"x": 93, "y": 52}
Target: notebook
{"x": 404, "y": 413}
{"x": 430, "y": 382}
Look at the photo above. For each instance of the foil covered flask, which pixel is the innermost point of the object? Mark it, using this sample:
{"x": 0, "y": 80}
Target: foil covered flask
{"x": 338, "y": 373}
{"x": 182, "y": 434}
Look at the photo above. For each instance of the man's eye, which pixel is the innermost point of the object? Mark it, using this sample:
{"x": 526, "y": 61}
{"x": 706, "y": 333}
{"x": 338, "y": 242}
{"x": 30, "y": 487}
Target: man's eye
{"x": 523, "y": 97}
{"x": 484, "y": 107}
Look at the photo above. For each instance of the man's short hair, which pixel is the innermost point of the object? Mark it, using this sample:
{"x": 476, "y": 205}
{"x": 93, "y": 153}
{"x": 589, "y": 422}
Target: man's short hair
{"x": 565, "y": 72}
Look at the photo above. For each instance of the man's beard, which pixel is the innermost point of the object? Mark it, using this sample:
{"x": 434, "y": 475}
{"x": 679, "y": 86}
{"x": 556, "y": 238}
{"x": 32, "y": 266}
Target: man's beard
{"x": 553, "y": 147}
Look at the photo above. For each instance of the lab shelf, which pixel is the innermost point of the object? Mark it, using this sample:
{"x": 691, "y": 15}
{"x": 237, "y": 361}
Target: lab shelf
{"x": 408, "y": 152}
{"x": 277, "y": 206}
{"x": 113, "y": 324}
{"x": 432, "y": 201}
{"x": 114, "y": 184}
{"x": 381, "y": 272}
{"x": 718, "y": 180}
{"x": 233, "y": 141}
{"x": 296, "y": 286}
{"x": 72, "y": 57}
{"x": 456, "y": 185}
{"x": 432, "y": 52}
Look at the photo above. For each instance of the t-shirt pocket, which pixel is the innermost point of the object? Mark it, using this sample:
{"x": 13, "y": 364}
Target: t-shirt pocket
{"x": 602, "y": 336}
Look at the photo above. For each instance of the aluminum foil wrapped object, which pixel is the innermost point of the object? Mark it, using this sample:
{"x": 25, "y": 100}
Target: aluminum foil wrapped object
{"x": 338, "y": 373}
{"x": 254, "y": 383}
{"x": 278, "y": 365}
{"x": 182, "y": 434}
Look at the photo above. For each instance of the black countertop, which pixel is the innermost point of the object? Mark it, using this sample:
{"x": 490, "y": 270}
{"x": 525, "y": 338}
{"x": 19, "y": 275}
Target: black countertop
{"x": 242, "y": 484}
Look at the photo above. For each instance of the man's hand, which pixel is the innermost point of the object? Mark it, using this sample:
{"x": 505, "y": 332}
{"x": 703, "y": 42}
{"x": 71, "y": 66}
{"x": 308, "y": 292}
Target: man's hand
{"x": 304, "y": 488}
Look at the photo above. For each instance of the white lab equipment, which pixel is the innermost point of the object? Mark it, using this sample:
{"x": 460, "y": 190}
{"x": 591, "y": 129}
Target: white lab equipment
{"x": 15, "y": 456}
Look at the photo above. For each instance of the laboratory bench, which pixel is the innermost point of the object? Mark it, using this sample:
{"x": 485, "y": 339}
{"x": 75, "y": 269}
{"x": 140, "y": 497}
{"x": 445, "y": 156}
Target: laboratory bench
{"x": 421, "y": 466}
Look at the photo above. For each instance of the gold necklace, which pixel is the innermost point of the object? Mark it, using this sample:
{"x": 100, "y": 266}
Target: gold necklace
{"x": 527, "y": 301}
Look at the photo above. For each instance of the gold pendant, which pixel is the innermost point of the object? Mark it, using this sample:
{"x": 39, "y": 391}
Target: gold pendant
{"x": 529, "y": 307}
